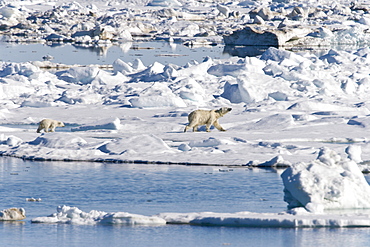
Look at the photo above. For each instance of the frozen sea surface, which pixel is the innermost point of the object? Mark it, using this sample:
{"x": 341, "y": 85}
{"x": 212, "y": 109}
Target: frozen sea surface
{"x": 148, "y": 190}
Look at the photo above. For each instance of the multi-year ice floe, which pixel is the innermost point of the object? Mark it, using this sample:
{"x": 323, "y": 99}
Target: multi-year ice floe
{"x": 273, "y": 37}
{"x": 329, "y": 182}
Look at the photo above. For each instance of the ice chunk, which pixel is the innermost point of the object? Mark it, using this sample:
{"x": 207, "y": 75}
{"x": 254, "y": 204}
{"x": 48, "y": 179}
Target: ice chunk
{"x": 121, "y": 66}
{"x": 210, "y": 142}
{"x": 157, "y": 95}
{"x": 83, "y": 75}
{"x": 294, "y": 218}
{"x": 326, "y": 183}
{"x": 231, "y": 92}
{"x": 12, "y": 214}
{"x": 277, "y": 161}
{"x": 13, "y": 141}
{"x": 274, "y": 37}
{"x": 73, "y": 215}
{"x": 354, "y": 153}
{"x": 165, "y": 3}
{"x": 279, "y": 55}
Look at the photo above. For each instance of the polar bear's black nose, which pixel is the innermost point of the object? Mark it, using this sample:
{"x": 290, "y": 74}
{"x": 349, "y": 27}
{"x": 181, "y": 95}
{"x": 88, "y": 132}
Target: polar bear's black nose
{"x": 229, "y": 109}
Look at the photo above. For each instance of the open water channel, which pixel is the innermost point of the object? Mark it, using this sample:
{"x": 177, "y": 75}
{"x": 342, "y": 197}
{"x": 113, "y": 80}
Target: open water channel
{"x": 147, "y": 52}
{"x": 149, "y": 190}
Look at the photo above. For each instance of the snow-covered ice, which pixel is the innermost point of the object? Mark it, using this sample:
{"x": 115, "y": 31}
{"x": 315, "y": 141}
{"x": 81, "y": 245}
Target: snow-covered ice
{"x": 304, "y": 111}
{"x": 283, "y": 109}
{"x": 73, "y": 215}
{"x": 294, "y": 218}
{"x": 326, "y": 183}
{"x": 11, "y": 214}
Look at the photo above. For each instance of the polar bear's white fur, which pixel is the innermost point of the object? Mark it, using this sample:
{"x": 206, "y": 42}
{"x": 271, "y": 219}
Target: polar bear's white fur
{"x": 49, "y": 125}
{"x": 206, "y": 117}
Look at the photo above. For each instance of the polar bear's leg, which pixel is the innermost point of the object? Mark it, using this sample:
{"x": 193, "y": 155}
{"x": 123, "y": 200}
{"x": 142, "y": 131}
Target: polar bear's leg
{"x": 210, "y": 122}
{"x": 208, "y": 126}
{"x": 39, "y": 129}
{"x": 218, "y": 126}
{"x": 52, "y": 127}
{"x": 191, "y": 125}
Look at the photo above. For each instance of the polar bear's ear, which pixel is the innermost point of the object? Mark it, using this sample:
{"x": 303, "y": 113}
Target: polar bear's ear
{"x": 222, "y": 110}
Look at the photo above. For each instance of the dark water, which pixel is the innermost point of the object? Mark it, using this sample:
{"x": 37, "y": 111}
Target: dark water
{"x": 148, "y": 190}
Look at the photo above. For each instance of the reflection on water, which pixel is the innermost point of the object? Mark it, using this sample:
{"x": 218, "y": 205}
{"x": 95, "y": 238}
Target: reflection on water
{"x": 245, "y": 51}
{"x": 253, "y": 51}
{"x": 148, "y": 52}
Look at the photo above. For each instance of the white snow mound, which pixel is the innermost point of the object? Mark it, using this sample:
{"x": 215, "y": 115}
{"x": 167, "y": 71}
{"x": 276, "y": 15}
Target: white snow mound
{"x": 329, "y": 182}
{"x": 73, "y": 215}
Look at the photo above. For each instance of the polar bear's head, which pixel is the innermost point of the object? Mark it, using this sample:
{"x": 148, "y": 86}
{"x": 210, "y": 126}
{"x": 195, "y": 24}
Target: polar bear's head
{"x": 60, "y": 124}
{"x": 223, "y": 110}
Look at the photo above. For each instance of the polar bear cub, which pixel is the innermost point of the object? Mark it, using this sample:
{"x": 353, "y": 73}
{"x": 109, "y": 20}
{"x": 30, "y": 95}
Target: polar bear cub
{"x": 49, "y": 125}
{"x": 206, "y": 117}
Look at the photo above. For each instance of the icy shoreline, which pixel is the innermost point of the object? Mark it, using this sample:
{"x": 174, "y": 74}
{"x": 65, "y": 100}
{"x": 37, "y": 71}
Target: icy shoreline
{"x": 291, "y": 219}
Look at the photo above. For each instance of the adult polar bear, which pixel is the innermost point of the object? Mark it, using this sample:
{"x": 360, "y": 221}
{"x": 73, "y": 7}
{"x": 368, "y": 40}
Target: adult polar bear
{"x": 49, "y": 125}
{"x": 206, "y": 117}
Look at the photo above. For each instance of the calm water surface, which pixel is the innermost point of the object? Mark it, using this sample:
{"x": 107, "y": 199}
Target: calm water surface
{"x": 148, "y": 190}
{"x": 147, "y": 52}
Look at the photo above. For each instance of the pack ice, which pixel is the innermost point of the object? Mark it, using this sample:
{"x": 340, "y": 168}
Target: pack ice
{"x": 288, "y": 108}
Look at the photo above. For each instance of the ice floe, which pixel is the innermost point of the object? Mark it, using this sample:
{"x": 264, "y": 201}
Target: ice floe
{"x": 73, "y": 215}
{"x": 327, "y": 183}
{"x": 12, "y": 214}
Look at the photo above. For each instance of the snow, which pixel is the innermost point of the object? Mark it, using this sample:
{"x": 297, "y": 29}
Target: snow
{"x": 11, "y": 214}
{"x": 303, "y": 111}
{"x": 293, "y": 219}
{"x": 73, "y": 215}
{"x": 326, "y": 183}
